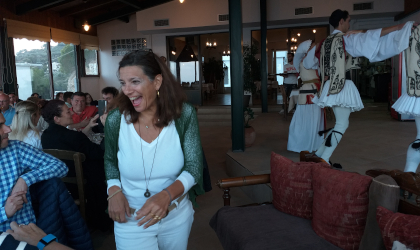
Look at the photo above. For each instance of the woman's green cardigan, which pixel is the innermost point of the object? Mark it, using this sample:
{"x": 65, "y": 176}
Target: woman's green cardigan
{"x": 189, "y": 136}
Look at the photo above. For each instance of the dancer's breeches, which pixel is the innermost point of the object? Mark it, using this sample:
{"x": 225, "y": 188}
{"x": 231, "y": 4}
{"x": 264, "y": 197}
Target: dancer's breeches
{"x": 334, "y": 136}
{"x": 413, "y": 151}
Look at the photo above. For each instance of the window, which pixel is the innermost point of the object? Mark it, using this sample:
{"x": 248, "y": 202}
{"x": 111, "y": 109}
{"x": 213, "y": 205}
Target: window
{"x": 280, "y": 62}
{"x": 226, "y": 66}
{"x": 90, "y": 62}
{"x": 189, "y": 71}
{"x": 32, "y": 68}
{"x": 63, "y": 61}
{"x": 33, "y": 71}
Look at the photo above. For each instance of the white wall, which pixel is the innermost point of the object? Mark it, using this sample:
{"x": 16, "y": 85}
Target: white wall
{"x": 203, "y": 13}
{"x": 91, "y": 85}
{"x": 199, "y": 17}
{"x": 108, "y": 64}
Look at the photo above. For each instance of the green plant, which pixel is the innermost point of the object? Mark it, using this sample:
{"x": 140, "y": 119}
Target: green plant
{"x": 213, "y": 70}
{"x": 252, "y": 68}
{"x": 248, "y": 116}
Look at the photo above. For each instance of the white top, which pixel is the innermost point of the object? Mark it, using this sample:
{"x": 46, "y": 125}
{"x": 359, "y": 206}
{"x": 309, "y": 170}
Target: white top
{"x": 167, "y": 165}
{"x": 290, "y": 78}
{"x": 42, "y": 124}
{"x": 370, "y": 45}
{"x": 33, "y": 139}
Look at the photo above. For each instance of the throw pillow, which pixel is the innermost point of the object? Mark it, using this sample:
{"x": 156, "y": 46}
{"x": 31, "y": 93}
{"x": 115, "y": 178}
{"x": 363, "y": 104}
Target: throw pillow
{"x": 397, "y": 226}
{"x": 340, "y": 206}
{"x": 291, "y": 183}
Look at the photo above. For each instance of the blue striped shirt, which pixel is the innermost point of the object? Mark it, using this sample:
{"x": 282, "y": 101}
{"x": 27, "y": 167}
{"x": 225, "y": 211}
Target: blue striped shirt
{"x": 19, "y": 159}
{"x": 8, "y": 115}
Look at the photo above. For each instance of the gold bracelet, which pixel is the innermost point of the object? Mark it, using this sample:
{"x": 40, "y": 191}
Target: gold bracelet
{"x": 112, "y": 195}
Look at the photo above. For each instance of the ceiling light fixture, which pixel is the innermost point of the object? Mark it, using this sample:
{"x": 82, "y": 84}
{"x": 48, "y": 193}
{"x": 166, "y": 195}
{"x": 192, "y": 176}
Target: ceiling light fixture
{"x": 314, "y": 31}
{"x": 181, "y": 1}
{"x": 86, "y": 26}
{"x": 298, "y": 34}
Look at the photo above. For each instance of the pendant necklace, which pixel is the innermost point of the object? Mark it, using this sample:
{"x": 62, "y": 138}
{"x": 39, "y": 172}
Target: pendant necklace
{"x": 147, "y": 193}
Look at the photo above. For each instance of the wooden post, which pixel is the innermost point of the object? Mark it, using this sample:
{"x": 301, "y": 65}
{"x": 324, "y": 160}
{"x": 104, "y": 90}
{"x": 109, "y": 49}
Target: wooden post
{"x": 236, "y": 62}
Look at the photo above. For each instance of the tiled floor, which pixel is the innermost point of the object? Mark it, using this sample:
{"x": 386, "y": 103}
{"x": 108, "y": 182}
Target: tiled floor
{"x": 373, "y": 140}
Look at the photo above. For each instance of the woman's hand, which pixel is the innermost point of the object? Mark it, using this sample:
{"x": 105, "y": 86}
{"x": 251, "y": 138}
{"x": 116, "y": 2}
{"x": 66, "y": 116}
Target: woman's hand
{"x": 103, "y": 118}
{"x": 92, "y": 123}
{"x": 118, "y": 205}
{"x": 155, "y": 208}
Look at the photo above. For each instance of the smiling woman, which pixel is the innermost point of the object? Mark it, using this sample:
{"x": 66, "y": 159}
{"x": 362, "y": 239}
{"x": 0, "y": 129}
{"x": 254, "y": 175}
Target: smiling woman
{"x": 153, "y": 150}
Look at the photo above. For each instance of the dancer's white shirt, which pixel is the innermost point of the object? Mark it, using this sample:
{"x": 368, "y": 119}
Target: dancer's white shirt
{"x": 370, "y": 45}
{"x": 167, "y": 165}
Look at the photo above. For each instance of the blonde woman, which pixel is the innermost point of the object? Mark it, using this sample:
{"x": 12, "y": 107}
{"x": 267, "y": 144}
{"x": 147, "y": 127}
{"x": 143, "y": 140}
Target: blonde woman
{"x": 24, "y": 124}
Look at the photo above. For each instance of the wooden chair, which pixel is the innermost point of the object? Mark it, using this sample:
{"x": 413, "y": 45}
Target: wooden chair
{"x": 285, "y": 102}
{"x": 78, "y": 159}
{"x": 409, "y": 183}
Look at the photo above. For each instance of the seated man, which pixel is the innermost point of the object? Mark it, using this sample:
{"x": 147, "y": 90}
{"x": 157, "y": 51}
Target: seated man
{"x": 81, "y": 114}
{"x": 67, "y": 98}
{"x": 21, "y": 165}
{"x": 14, "y": 99}
{"x": 7, "y": 111}
{"x": 56, "y": 136}
{"x": 109, "y": 93}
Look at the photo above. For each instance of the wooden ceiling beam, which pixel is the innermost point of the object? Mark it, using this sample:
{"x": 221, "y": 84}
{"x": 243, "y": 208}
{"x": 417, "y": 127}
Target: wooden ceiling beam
{"x": 125, "y": 11}
{"x": 33, "y": 5}
{"x": 133, "y": 3}
{"x": 84, "y": 7}
{"x": 125, "y": 19}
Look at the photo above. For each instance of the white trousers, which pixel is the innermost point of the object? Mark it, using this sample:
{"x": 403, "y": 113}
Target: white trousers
{"x": 413, "y": 155}
{"x": 342, "y": 116}
{"x": 171, "y": 233}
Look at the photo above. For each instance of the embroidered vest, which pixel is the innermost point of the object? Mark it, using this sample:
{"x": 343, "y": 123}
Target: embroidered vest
{"x": 335, "y": 62}
{"x": 310, "y": 87}
{"x": 412, "y": 63}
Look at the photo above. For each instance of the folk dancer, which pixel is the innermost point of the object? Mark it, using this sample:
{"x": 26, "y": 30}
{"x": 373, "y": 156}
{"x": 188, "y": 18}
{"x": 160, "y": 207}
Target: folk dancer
{"x": 409, "y": 103}
{"x": 309, "y": 117}
{"x": 336, "y": 56}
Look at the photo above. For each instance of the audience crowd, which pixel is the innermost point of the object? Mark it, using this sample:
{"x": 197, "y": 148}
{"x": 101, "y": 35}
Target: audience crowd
{"x": 68, "y": 122}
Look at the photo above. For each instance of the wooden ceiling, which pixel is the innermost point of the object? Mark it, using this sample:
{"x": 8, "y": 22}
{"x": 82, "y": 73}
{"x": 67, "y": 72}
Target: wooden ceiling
{"x": 93, "y": 12}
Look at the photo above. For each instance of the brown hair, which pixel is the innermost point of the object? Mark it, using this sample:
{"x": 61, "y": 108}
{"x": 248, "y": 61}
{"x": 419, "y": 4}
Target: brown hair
{"x": 171, "y": 96}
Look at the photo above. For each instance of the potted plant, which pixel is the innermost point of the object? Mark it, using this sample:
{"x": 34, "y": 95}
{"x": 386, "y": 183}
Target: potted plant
{"x": 249, "y": 131}
{"x": 252, "y": 70}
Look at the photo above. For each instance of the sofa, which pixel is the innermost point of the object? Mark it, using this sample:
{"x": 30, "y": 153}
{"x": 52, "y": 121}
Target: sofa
{"x": 316, "y": 207}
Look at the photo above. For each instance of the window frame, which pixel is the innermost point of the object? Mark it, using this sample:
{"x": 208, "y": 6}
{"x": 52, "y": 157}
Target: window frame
{"x": 51, "y": 76}
{"x": 83, "y": 64}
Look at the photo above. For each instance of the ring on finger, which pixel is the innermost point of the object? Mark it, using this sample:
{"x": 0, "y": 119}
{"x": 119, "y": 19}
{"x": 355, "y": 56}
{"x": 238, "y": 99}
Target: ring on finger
{"x": 117, "y": 218}
{"x": 21, "y": 225}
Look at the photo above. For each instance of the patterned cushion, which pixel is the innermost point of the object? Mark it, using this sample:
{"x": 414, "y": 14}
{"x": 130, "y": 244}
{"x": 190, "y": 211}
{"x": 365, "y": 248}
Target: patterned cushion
{"x": 399, "y": 227}
{"x": 292, "y": 185}
{"x": 340, "y": 206}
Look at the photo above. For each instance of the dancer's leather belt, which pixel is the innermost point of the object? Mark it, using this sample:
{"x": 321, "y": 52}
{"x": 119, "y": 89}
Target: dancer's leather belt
{"x": 309, "y": 91}
{"x": 311, "y": 81}
{"x": 170, "y": 208}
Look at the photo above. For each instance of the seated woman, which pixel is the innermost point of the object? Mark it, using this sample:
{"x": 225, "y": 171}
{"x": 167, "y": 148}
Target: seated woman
{"x": 24, "y": 124}
{"x": 308, "y": 118}
{"x": 89, "y": 99}
{"x": 57, "y": 136}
